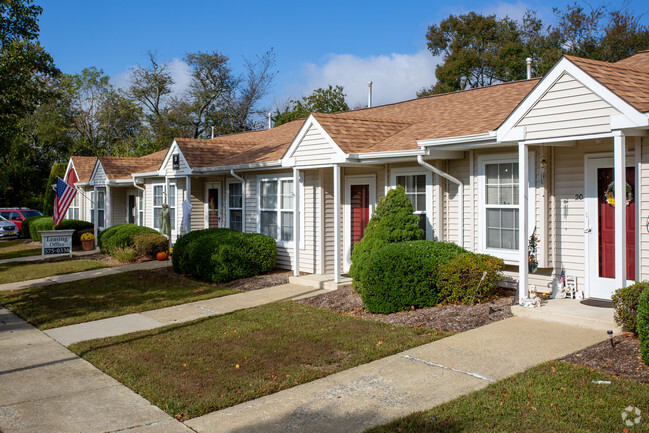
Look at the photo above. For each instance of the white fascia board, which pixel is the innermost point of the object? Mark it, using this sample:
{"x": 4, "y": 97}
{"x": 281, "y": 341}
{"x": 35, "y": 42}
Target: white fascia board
{"x": 241, "y": 167}
{"x": 170, "y": 152}
{"x": 308, "y": 123}
{"x": 146, "y": 174}
{"x": 389, "y": 154}
{"x": 564, "y": 65}
{"x": 69, "y": 167}
{"x": 459, "y": 139}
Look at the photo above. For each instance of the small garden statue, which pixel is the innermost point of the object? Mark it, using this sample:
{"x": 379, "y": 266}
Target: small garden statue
{"x": 532, "y": 261}
{"x": 165, "y": 221}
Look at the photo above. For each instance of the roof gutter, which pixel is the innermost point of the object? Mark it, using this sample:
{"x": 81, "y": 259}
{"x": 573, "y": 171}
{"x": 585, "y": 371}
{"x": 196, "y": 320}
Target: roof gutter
{"x": 226, "y": 168}
{"x": 471, "y": 140}
{"x": 460, "y": 188}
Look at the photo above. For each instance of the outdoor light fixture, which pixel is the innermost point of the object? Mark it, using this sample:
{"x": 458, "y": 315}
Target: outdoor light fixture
{"x": 610, "y": 334}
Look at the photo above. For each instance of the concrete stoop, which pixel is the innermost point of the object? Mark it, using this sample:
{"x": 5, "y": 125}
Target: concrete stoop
{"x": 571, "y": 312}
{"x": 319, "y": 281}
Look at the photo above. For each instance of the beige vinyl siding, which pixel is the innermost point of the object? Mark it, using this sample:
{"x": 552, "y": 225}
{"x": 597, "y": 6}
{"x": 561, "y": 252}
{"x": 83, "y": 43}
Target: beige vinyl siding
{"x": 459, "y": 169}
{"x": 100, "y": 176}
{"x": 643, "y": 200}
{"x": 313, "y": 149}
{"x": 168, "y": 168}
{"x": 328, "y": 222}
{"x": 309, "y": 255}
{"x": 118, "y": 205}
{"x": 197, "y": 200}
{"x": 568, "y": 108}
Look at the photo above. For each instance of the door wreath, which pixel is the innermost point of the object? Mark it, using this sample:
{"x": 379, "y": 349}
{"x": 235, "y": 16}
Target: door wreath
{"x": 609, "y": 195}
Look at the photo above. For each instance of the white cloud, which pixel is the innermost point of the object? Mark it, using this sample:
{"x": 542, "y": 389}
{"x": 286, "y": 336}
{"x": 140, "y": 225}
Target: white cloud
{"x": 395, "y": 77}
{"x": 179, "y": 70}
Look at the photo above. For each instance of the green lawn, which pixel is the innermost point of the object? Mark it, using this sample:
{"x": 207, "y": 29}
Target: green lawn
{"x": 552, "y": 397}
{"x": 195, "y": 368}
{"x": 98, "y": 298}
{"x": 12, "y": 272}
{"x": 17, "y": 248}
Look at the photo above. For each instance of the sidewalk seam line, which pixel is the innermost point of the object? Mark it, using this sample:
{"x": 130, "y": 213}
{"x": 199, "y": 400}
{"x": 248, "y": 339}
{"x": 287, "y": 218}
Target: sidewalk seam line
{"x": 476, "y": 375}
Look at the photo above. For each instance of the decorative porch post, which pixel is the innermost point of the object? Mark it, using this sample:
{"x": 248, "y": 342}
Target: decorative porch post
{"x": 296, "y": 220}
{"x": 336, "y": 224}
{"x": 619, "y": 145}
{"x": 108, "y": 209}
{"x": 523, "y": 180}
{"x": 95, "y": 212}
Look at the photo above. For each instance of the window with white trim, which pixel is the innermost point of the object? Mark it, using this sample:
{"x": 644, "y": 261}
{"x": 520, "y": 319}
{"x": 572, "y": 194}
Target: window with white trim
{"x": 276, "y": 208}
{"x": 159, "y": 199}
{"x": 100, "y": 203}
{"x": 415, "y": 186}
{"x": 499, "y": 229}
{"x": 235, "y": 206}
{"x": 140, "y": 207}
{"x": 73, "y": 210}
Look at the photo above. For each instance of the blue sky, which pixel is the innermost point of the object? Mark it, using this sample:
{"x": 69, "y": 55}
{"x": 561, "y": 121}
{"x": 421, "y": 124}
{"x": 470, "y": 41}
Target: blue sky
{"x": 316, "y": 43}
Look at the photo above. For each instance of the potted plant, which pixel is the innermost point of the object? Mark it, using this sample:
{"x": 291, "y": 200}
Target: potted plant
{"x": 87, "y": 241}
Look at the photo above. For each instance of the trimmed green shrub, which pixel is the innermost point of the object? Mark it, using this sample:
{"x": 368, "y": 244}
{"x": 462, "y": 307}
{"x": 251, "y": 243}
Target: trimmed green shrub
{"x": 220, "y": 255}
{"x": 77, "y": 226}
{"x": 643, "y": 325}
{"x": 625, "y": 303}
{"x": 400, "y": 275}
{"x": 459, "y": 278}
{"x": 124, "y": 254}
{"x": 393, "y": 221}
{"x": 39, "y": 224}
{"x": 24, "y": 227}
{"x": 149, "y": 244}
{"x": 58, "y": 169}
{"x": 120, "y": 236}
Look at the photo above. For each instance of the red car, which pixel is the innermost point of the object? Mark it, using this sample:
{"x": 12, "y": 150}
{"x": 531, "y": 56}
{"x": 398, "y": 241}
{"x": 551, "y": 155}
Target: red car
{"x": 18, "y": 214}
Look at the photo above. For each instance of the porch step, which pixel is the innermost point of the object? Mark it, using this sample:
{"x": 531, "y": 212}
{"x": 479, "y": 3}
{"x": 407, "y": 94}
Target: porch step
{"x": 571, "y": 312}
{"x": 319, "y": 281}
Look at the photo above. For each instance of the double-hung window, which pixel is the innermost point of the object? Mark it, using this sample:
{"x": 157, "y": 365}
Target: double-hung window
{"x": 98, "y": 201}
{"x": 276, "y": 208}
{"x": 140, "y": 207}
{"x": 159, "y": 199}
{"x": 235, "y": 206}
{"x": 415, "y": 186}
{"x": 500, "y": 207}
{"x": 73, "y": 210}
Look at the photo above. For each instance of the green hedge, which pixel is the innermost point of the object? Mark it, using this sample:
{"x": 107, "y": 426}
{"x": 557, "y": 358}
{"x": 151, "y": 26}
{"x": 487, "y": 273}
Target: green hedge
{"x": 24, "y": 227}
{"x": 150, "y": 244}
{"x": 625, "y": 303}
{"x": 400, "y": 275}
{"x": 39, "y": 224}
{"x": 220, "y": 254}
{"x": 458, "y": 279}
{"x": 120, "y": 236}
{"x": 78, "y": 226}
{"x": 643, "y": 325}
{"x": 393, "y": 221}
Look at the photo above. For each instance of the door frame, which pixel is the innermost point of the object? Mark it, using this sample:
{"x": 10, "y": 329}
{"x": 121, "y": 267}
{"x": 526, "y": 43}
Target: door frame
{"x": 219, "y": 203}
{"x": 366, "y": 179}
{"x": 132, "y": 193}
{"x": 591, "y": 221}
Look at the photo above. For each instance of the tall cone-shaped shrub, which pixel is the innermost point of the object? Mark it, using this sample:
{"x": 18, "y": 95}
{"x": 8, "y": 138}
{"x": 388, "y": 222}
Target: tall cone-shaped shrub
{"x": 393, "y": 221}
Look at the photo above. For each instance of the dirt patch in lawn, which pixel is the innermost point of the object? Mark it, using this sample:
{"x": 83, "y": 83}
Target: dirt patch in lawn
{"x": 623, "y": 360}
{"x": 446, "y": 318}
{"x": 273, "y": 278}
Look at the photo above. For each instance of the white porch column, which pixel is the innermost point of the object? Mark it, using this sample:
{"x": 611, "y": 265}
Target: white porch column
{"x": 296, "y": 220}
{"x": 108, "y": 208}
{"x": 523, "y": 217}
{"x": 93, "y": 203}
{"x": 619, "y": 145}
{"x": 188, "y": 197}
{"x": 337, "y": 224}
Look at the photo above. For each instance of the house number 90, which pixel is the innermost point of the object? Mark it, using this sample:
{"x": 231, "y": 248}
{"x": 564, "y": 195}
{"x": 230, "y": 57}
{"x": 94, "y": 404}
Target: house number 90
{"x": 579, "y": 196}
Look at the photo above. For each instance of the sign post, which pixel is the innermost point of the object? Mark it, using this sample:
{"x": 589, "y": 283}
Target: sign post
{"x": 56, "y": 242}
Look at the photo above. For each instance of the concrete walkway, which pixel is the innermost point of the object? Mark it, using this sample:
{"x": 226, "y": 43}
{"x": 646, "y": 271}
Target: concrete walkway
{"x": 47, "y": 388}
{"x": 68, "y": 335}
{"x": 66, "y": 278}
{"x": 415, "y": 380}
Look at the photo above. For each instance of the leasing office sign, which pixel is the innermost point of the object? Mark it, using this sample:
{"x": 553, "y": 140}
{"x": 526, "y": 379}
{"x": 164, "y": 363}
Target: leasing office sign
{"x": 56, "y": 242}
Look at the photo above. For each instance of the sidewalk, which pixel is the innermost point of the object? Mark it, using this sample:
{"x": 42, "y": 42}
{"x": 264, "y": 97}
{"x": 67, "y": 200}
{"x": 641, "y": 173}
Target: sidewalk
{"x": 67, "y": 335}
{"x": 417, "y": 379}
{"x": 66, "y": 278}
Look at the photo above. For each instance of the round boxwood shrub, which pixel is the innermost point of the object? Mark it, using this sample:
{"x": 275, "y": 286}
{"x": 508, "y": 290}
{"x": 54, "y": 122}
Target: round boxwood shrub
{"x": 40, "y": 224}
{"x": 393, "y": 221}
{"x": 625, "y": 303}
{"x": 150, "y": 244}
{"x": 120, "y": 236}
{"x": 78, "y": 226}
{"x": 643, "y": 325}
{"x": 24, "y": 227}
{"x": 459, "y": 278}
{"x": 220, "y": 255}
{"x": 400, "y": 275}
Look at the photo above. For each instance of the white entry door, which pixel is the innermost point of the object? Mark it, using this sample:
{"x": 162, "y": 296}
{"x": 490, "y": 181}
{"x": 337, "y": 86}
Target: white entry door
{"x": 600, "y": 226}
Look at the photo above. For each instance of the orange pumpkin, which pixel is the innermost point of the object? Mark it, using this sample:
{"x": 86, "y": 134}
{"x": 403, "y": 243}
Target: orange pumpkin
{"x": 161, "y": 256}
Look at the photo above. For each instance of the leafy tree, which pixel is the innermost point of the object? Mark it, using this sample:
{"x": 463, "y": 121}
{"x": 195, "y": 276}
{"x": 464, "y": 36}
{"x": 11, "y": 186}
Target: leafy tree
{"x": 58, "y": 170}
{"x": 322, "y": 100}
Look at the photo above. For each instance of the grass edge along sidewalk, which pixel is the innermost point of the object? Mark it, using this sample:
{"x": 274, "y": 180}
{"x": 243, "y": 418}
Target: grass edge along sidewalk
{"x": 12, "y": 249}
{"x": 20, "y": 272}
{"x": 194, "y": 368}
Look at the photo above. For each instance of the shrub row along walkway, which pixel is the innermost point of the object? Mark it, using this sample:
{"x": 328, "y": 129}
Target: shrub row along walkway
{"x": 66, "y": 278}
{"x": 113, "y": 326}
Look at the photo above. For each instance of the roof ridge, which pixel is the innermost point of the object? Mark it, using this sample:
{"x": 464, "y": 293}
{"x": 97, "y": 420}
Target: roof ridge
{"x": 363, "y": 118}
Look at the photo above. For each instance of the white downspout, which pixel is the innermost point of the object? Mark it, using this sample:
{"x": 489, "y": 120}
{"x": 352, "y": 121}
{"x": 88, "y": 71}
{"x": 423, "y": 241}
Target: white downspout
{"x": 337, "y": 224}
{"x": 243, "y": 199}
{"x": 460, "y": 194}
{"x": 296, "y": 220}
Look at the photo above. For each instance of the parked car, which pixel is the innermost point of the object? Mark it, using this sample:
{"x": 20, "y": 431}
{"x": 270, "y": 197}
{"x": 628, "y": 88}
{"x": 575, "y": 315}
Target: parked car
{"x": 18, "y": 214}
{"x": 7, "y": 228}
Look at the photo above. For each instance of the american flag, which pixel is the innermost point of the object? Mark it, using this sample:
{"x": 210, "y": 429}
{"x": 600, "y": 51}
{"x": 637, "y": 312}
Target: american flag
{"x": 64, "y": 196}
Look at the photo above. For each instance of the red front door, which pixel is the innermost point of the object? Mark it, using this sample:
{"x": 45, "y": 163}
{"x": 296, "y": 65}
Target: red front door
{"x": 360, "y": 211}
{"x": 606, "y": 225}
